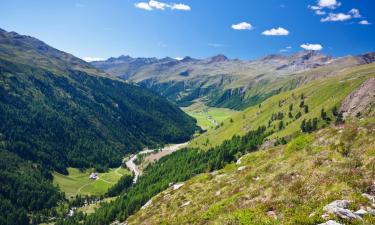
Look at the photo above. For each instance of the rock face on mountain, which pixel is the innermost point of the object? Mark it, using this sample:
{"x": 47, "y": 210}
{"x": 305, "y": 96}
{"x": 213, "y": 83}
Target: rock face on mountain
{"x": 361, "y": 101}
{"x": 224, "y": 82}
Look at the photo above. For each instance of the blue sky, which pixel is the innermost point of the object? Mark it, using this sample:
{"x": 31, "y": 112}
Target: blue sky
{"x": 244, "y": 29}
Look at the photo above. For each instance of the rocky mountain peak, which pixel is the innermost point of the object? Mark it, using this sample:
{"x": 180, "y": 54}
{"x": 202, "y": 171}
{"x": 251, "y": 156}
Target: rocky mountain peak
{"x": 218, "y": 58}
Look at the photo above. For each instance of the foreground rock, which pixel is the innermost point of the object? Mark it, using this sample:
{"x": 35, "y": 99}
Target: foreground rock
{"x": 339, "y": 209}
{"x": 330, "y": 222}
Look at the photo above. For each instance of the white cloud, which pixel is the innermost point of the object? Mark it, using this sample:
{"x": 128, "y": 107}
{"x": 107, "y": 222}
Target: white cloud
{"x": 242, "y": 26}
{"x": 334, "y": 17}
{"x": 156, "y": 5}
{"x": 364, "y": 22}
{"x": 286, "y": 49}
{"x": 314, "y": 7}
{"x": 91, "y": 59}
{"x": 320, "y": 12}
{"x": 276, "y": 32}
{"x": 143, "y": 5}
{"x": 312, "y": 47}
{"x": 179, "y": 58}
{"x": 180, "y": 7}
{"x": 355, "y": 13}
{"x": 331, "y": 4}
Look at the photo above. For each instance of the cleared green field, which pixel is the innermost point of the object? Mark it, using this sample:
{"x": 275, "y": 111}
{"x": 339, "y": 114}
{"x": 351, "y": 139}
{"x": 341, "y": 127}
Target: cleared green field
{"x": 324, "y": 93}
{"x": 208, "y": 117}
{"x": 78, "y": 182}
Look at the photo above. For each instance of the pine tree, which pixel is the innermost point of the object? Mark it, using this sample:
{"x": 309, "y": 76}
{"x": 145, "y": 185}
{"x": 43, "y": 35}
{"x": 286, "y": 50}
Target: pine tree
{"x": 302, "y": 104}
{"x": 298, "y": 115}
{"x": 323, "y": 114}
{"x": 315, "y": 124}
{"x": 306, "y": 108}
{"x": 303, "y": 125}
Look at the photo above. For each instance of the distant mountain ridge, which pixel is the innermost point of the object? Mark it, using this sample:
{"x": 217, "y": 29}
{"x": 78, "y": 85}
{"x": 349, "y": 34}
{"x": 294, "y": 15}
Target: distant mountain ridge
{"x": 223, "y": 82}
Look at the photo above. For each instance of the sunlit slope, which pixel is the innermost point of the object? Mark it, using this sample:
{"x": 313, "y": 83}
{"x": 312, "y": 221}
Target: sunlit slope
{"x": 324, "y": 93}
{"x": 287, "y": 184}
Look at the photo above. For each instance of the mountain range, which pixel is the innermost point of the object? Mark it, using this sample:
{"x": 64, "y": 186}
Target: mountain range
{"x": 221, "y": 82}
{"x": 297, "y": 149}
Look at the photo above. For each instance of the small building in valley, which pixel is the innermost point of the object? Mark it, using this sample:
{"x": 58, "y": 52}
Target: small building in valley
{"x": 94, "y": 176}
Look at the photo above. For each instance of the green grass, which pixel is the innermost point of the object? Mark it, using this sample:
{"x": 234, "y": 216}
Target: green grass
{"x": 78, "y": 182}
{"x": 208, "y": 117}
{"x": 323, "y": 93}
{"x": 294, "y": 186}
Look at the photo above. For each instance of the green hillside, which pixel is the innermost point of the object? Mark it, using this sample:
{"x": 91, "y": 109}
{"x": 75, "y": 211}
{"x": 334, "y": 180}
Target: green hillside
{"x": 318, "y": 101}
{"x": 325, "y": 93}
{"x": 57, "y": 111}
{"x": 288, "y": 184}
{"x": 78, "y": 118}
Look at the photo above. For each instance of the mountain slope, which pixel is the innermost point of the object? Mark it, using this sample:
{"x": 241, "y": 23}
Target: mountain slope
{"x": 57, "y": 111}
{"x": 50, "y": 103}
{"x": 287, "y": 184}
{"x": 221, "y": 82}
{"x": 320, "y": 93}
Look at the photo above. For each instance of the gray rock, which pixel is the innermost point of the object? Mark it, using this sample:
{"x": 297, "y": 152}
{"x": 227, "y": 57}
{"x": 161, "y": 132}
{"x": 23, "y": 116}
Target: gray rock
{"x": 369, "y": 197}
{"x": 371, "y": 211}
{"x": 361, "y": 212}
{"x": 338, "y": 208}
{"x": 330, "y": 222}
{"x": 337, "y": 204}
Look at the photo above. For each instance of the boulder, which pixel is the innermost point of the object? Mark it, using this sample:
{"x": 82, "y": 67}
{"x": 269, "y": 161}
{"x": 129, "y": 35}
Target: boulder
{"x": 330, "y": 222}
{"x": 338, "y": 208}
{"x": 361, "y": 212}
{"x": 371, "y": 211}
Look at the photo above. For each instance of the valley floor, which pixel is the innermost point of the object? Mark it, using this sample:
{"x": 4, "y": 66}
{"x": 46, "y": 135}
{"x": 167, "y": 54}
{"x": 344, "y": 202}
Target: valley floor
{"x": 78, "y": 182}
{"x": 208, "y": 117}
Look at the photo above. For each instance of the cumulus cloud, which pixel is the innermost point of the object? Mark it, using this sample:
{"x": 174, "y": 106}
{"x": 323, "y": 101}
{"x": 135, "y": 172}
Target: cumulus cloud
{"x": 355, "y": 13}
{"x": 364, "y": 22}
{"x": 312, "y": 47}
{"x": 320, "y": 12}
{"x": 92, "y": 59}
{"x": 276, "y": 32}
{"x": 242, "y": 26}
{"x": 181, "y": 7}
{"x": 143, "y": 5}
{"x": 156, "y": 5}
{"x": 331, "y": 4}
{"x": 334, "y": 17}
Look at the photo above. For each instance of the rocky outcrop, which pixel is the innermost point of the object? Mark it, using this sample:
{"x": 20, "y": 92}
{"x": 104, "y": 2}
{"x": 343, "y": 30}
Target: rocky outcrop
{"x": 339, "y": 209}
{"x": 330, "y": 222}
{"x": 360, "y": 101}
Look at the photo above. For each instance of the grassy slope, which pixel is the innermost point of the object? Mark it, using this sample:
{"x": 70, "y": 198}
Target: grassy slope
{"x": 295, "y": 181}
{"x": 201, "y": 113}
{"x": 323, "y": 93}
{"x": 78, "y": 182}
